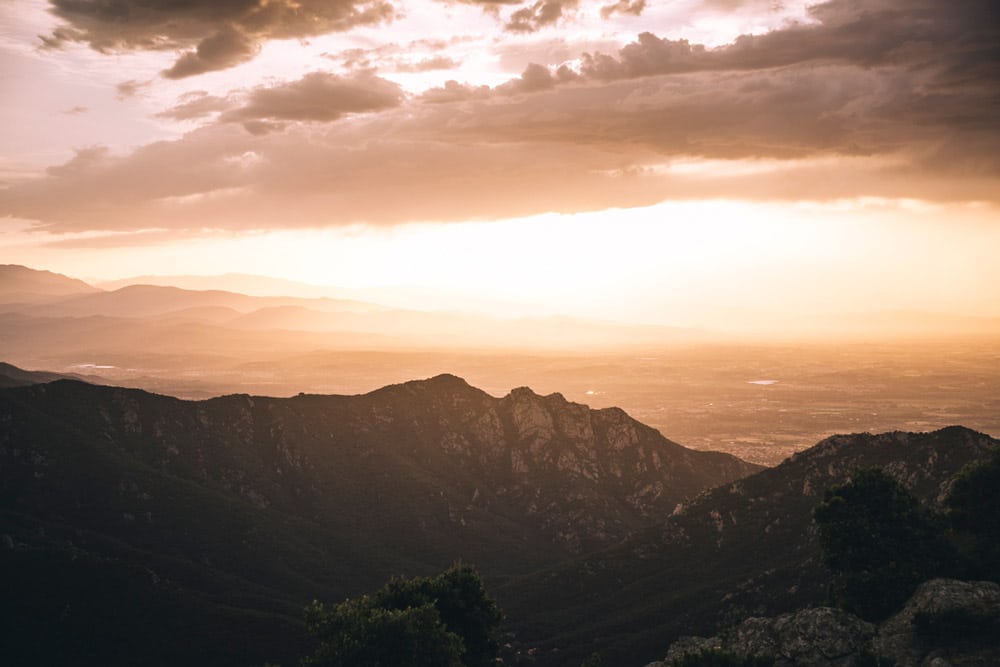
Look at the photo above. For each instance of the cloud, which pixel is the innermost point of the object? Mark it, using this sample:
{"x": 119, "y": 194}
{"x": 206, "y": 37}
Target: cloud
{"x": 634, "y": 7}
{"x": 318, "y": 96}
{"x": 197, "y": 104}
{"x": 534, "y": 78}
{"x": 868, "y": 101}
{"x": 453, "y": 91}
{"x": 76, "y": 111}
{"x": 130, "y": 88}
{"x": 222, "y": 34}
{"x": 869, "y": 33}
{"x": 538, "y": 15}
{"x": 395, "y": 57}
{"x": 427, "y": 64}
{"x": 224, "y": 49}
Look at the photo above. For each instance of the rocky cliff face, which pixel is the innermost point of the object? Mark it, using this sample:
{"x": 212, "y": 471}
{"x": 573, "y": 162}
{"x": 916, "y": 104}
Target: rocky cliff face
{"x": 946, "y": 623}
{"x": 582, "y": 478}
{"x": 746, "y": 548}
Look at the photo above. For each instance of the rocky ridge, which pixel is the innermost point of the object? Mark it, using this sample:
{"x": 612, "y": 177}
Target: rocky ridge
{"x": 120, "y": 504}
{"x": 745, "y": 549}
{"x": 582, "y": 477}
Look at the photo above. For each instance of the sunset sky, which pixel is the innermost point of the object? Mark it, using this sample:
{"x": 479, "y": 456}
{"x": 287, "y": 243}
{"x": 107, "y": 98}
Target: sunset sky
{"x": 677, "y": 162}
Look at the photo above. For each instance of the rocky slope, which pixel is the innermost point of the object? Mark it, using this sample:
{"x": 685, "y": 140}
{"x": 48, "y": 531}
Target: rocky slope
{"x": 748, "y": 548}
{"x": 251, "y": 505}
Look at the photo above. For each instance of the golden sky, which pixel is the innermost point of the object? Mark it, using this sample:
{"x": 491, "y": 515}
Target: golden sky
{"x": 679, "y": 161}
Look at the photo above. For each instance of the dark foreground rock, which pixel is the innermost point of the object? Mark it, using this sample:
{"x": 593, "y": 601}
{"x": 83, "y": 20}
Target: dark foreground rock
{"x": 946, "y": 623}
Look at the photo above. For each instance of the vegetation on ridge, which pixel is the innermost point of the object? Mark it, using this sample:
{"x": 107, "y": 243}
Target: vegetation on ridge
{"x": 880, "y": 542}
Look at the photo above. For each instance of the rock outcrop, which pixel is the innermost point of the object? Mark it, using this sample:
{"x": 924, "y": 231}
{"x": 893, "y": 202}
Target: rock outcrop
{"x": 946, "y": 623}
{"x": 821, "y": 636}
{"x": 584, "y": 478}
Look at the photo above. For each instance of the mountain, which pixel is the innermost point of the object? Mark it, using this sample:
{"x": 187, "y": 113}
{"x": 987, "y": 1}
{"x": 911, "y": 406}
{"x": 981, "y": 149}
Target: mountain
{"x": 21, "y": 284}
{"x": 159, "y": 330}
{"x": 12, "y": 376}
{"x": 152, "y": 300}
{"x": 131, "y": 519}
{"x": 747, "y": 548}
{"x": 232, "y": 282}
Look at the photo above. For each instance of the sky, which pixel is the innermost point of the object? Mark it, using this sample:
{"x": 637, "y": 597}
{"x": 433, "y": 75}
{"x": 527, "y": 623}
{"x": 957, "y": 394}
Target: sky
{"x": 676, "y": 162}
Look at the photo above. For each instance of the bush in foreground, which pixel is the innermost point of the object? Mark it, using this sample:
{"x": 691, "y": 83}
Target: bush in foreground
{"x": 443, "y": 621}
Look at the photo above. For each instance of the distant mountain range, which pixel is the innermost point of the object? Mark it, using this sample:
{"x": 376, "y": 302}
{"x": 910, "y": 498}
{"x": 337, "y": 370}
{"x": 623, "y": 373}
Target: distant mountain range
{"x": 21, "y": 284}
{"x": 52, "y": 321}
{"x": 139, "y": 528}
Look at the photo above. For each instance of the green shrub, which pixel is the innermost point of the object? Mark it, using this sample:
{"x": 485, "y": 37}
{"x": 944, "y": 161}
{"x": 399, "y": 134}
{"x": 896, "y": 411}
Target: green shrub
{"x": 879, "y": 543}
{"x": 974, "y": 513}
{"x": 442, "y": 621}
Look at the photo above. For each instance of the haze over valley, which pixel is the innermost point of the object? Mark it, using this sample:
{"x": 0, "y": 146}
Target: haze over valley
{"x": 710, "y": 390}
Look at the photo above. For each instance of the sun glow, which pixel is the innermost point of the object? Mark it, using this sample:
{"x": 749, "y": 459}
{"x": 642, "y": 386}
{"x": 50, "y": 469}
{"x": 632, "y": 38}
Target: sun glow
{"x": 660, "y": 264}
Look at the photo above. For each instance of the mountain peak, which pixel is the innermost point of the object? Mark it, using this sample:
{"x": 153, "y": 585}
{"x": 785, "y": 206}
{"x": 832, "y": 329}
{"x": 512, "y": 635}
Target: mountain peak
{"x": 22, "y": 281}
{"x": 446, "y": 379}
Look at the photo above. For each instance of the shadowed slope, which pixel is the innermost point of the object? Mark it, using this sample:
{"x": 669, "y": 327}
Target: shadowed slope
{"x": 249, "y": 505}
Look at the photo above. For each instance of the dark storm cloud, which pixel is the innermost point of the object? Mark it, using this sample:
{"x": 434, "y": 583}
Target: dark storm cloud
{"x": 319, "y": 96}
{"x": 222, "y": 32}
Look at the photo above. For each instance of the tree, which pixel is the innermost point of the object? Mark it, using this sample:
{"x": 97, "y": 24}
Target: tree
{"x": 974, "y": 514}
{"x": 879, "y": 543}
{"x": 444, "y": 621}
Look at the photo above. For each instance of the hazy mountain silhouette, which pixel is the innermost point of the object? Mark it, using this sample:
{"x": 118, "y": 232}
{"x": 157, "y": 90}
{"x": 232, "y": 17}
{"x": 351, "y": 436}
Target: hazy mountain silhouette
{"x": 12, "y": 376}
{"x": 21, "y": 284}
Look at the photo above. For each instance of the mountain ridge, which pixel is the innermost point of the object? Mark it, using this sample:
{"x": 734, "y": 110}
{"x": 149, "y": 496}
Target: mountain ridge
{"x": 595, "y": 532}
{"x": 245, "y": 501}
{"x": 744, "y": 548}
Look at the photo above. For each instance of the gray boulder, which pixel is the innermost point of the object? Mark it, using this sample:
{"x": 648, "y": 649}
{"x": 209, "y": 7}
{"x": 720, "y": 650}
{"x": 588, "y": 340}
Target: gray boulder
{"x": 821, "y": 636}
{"x": 944, "y": 623}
